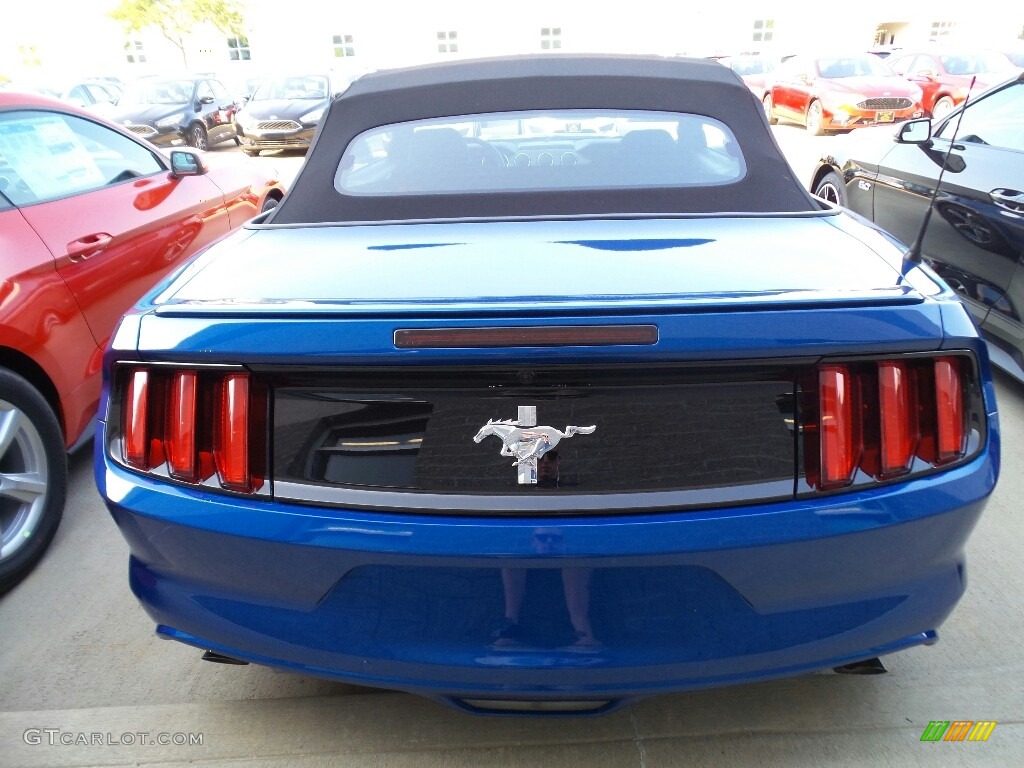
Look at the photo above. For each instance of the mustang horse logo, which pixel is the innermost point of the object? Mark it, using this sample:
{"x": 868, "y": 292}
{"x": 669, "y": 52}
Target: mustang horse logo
{"x": 527, "y": 442}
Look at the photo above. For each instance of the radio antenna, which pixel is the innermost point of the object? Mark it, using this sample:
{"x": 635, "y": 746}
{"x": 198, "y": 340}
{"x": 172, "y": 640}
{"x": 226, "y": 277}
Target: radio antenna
{"x": 913, "y": 254}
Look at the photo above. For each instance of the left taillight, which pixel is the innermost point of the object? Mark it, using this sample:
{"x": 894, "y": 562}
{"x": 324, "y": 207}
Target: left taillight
{"x": 197, "y": 426}
{"x": 865, "y": 421}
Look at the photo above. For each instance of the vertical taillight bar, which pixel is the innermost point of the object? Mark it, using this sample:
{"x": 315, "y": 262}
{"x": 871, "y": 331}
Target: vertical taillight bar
{"x": 231, "y": 436}
{"x": 840, "y": 449}
{"x": 136, "y": 420}
{"x": 181, "y": 426}
{"x": 898, "y": 422}
{"x": 949, "y": 402}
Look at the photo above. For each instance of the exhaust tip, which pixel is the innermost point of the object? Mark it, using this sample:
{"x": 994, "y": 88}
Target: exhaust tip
{"x": 867, "y": 667}
{"x": 220, "y": 658}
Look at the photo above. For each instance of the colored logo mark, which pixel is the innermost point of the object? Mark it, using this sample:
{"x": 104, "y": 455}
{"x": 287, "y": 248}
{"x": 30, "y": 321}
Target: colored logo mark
{"x": 958, "y": 730}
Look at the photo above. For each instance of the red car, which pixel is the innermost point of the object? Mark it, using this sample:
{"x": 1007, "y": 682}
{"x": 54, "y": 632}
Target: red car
{"x": 945, "y": 76}
{"x": 90, "y": 218}
{"x": 838, "y": 93}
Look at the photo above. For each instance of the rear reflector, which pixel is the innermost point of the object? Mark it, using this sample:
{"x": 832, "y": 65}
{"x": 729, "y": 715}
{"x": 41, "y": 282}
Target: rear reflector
{"x": 527, "y": 336}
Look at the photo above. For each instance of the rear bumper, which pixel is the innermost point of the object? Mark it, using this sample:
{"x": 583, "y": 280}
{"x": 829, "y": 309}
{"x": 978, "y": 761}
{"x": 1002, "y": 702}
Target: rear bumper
{"x": 678, "y": 600}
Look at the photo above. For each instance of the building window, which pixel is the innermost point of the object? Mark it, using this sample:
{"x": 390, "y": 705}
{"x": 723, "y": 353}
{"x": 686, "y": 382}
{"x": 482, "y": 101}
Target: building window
{"x": 763, "y": 29}
{"x": 941, "y": 30}
{"x": 29, "y": 56}
{"x": 447, "y": 42}
{"x": 134, "y": 53}
{"x": 550, "y": 37}
{"x": 344, "y": 46}
{"x": 238, "y": 49}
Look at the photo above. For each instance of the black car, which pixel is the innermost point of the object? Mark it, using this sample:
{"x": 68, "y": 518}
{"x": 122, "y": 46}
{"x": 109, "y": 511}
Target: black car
{"x": 171, "y": 112}
{"x": 284, "y": 111}
{"x": 974, "y": 237}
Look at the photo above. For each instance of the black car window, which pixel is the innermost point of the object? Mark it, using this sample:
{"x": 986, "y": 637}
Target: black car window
{"x": 48, "y": 155}
{"x": 220, "y": 92}
{"x": 996, "y": 120}
{"x": 80, "y": 95}
{"x": 311, "y": 87}
{"x": 104, "y": 92}
{"x": 159, "y": 92}
{"x": 204, "y": 91}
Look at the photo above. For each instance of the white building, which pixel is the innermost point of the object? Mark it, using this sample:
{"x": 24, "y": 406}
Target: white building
{"x": 59, "y": 39}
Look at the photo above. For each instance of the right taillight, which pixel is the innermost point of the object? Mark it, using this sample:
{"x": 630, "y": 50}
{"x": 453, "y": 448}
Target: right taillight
{"x": 884, "y": 419}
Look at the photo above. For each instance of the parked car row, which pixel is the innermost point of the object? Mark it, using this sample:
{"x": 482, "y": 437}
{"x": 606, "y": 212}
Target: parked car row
{"x": 831, "y": 93}
{"x": 90, "y": 218}
{"x": 261, "y": 113}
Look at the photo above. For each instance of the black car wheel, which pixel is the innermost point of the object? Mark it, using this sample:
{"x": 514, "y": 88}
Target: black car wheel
{"x": 268, "y": 204}
{"x": 830, "y": 187}
{"x": 769, "y": 110}
{"x": 815, "y": 119}
{"x": 33, "y": 477}
{"x": 197, "y": 137}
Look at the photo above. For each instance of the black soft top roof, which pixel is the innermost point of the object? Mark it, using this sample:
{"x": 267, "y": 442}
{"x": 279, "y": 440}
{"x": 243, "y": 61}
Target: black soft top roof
{"x": 541, "y": 82}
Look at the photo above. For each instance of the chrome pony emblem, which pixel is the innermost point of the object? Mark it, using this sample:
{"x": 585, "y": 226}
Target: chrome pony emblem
{"x": 527, "y": 442}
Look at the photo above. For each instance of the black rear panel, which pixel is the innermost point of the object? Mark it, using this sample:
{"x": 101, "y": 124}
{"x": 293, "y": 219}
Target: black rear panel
{"x": 659, "y": 429}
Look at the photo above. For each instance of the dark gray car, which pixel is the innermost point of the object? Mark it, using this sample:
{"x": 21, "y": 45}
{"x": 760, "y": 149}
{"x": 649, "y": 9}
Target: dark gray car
{"x": 284, "y": 111}
{"x": 169, "y": 112}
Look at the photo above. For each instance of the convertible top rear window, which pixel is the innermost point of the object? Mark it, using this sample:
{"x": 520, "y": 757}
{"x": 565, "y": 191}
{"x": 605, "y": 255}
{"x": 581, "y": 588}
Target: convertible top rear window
{"x": 540, "y": 150}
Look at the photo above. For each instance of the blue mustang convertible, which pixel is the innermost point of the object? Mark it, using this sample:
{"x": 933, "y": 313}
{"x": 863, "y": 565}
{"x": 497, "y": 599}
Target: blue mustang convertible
{"x": 545, "y": 388}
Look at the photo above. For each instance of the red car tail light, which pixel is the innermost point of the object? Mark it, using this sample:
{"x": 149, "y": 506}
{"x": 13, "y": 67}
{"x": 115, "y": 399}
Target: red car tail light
{"x": 181, "y": 426}
{"x": 840, "y": 450}
{"x": 884, "y": 419}
{"x": 950, "y": 410}
{"x": 136, "y": 424}
{"x": 898, "y": 419}
{"x": 231, "y": 436}
{"x": 195, "y": 425}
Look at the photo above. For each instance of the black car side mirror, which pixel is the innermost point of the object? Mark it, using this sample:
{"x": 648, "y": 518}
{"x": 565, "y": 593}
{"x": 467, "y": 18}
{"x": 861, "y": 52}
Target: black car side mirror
{"x": 915, "y": 132}
{"x": 206, "y": 99}
{"x": 185, "y": 162}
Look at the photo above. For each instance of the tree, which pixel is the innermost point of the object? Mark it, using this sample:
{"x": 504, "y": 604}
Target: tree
{"x": 175, "y": 19}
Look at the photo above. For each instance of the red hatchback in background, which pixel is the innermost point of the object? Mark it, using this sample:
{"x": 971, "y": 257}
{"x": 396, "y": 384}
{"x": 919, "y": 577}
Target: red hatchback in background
{"x": 838, "y": 93}
{"x": 90, "y": 219}
{"x": 945, "y": 76}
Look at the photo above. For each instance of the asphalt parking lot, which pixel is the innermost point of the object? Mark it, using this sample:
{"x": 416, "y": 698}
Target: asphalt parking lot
{"x": 84, "y": 681}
